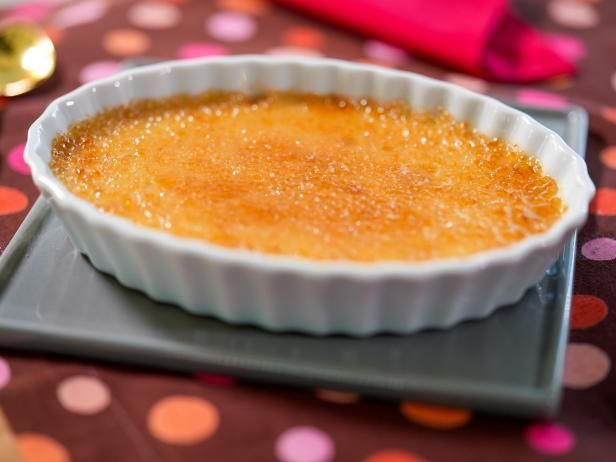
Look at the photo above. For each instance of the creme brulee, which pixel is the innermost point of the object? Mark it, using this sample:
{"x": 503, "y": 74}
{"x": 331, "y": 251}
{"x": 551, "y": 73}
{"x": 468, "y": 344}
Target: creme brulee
{"x": 320, "y": 177}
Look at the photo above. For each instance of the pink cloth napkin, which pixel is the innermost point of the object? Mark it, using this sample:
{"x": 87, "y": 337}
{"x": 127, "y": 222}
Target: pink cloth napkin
{"x": 481, "y": 37}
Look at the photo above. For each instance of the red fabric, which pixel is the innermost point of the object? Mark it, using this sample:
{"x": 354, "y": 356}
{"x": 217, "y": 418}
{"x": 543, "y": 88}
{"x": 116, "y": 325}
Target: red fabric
{"x": 480, "y": 37}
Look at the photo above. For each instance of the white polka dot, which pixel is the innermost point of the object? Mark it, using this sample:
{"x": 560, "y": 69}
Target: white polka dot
{"x": 83, "y": 395}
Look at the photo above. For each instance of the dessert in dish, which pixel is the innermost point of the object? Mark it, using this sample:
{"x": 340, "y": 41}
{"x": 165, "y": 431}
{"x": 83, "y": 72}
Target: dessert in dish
{"x": 321, "y": 177}
{"x": 310, "y": 279}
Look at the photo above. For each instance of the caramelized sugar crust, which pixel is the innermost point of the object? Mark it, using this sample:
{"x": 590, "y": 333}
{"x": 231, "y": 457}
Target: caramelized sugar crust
{"x": 321, "y": 177}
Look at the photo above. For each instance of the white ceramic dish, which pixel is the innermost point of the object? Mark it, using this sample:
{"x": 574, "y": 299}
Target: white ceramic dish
{"x": 283, "y": 293}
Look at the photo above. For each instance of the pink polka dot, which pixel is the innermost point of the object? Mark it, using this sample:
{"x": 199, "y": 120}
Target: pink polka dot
{"x": 600, "y": 249}
{"x": 386, "y": 53}
{"x": 573, "y": 14}
{"x": 151, "y": 15}
{"x": 214, "y": 379}
{"x": 231, "y": 27}
{"x": 83, "y": 395}
{"x": 80, "y": 13}
{"x": 549, "y": 438}
{"x": 293, "y": 51}
{"x": 568, "y": 46}
{"x": 541, "y": 99}
{"x": 53, "y": 2}
{"x": 304, "y": 444}
{"x": 15, "y": 159}
{"x": 5, "y": 373}
{"x": 98, "y": 70}
{"x": 29, "y": 12}
{"x": 585, "y": 365}
{"x": 193, "y": 50}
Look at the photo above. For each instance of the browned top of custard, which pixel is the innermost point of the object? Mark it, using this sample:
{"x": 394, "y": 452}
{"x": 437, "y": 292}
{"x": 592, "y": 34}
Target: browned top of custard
{"x": 321, "y": 177}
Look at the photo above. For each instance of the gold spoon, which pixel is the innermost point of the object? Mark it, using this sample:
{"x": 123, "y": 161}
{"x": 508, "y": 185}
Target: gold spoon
{"x": 27, "y": 58}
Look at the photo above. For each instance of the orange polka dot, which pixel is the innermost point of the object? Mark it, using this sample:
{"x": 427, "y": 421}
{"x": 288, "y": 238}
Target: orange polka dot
{"x": 35, "y": 447}
{"x": 560, "y": 82}
{"x": 304, "y": 37}
{"x": 587, "y": 311}
{"x": 435, "y": 416}
{"x": 254, "y": 7}
{"x": 393, "y": 455}
{"x": 604, "y": 202}
{"x": 55, "y": 34}
{"x": 608, "y": 157}
{"x": 183, "y": 420}
{"x": 293, "y": 51}
{"x": 126, "y": 42}
{"x": 12, "y": 200}
{"x": 337, "y": 396}
{"x": 609, "y": 114}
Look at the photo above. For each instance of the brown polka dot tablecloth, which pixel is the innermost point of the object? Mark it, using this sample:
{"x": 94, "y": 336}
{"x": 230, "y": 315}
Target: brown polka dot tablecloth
{"x": 61, "y": 410}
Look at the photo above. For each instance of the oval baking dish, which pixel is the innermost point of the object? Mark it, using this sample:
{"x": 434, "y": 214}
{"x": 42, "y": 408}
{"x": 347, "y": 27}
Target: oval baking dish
{"x": 286, "y": 293}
